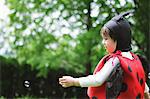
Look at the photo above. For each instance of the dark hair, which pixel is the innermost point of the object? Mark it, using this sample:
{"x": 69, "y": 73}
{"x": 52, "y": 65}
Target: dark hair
{"x": 106, "y": 32}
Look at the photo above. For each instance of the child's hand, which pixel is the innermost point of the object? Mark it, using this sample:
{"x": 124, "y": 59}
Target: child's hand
{"x": 68, "y": 81}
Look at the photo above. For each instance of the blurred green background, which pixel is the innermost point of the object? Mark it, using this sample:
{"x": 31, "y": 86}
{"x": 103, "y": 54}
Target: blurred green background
{"x": 41, "y": 40}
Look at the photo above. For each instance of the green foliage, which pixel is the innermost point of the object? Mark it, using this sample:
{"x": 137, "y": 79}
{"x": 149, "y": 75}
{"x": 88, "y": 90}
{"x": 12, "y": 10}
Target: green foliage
{"x": 37, "y": 44}
{"x": 142, "y": 34}
{"x": 1, "y": 97}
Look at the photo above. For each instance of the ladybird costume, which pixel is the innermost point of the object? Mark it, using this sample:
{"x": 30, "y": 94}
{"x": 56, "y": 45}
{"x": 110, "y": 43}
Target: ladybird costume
{"x": 132, "y": 72}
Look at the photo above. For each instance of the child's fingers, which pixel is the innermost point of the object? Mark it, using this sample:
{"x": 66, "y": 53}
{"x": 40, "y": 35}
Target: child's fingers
{"x": 63, "y": 84}
{"x": 62, "y": 80}
{"x": 66, "y": 81}
{"x": 60, "y": 83}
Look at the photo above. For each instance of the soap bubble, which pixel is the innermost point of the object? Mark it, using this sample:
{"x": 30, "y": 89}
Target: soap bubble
{"x": 149, "y": 75}
{"x": 26, "y": 83}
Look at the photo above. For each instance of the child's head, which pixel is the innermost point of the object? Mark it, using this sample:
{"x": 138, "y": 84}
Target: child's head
{"x": 109, "y": 41}
{"x": 119, "y": 30}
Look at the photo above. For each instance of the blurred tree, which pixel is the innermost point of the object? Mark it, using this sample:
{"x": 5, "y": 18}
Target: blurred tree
{"x": 52, "y": 34}
{"x": 142, "y": 25}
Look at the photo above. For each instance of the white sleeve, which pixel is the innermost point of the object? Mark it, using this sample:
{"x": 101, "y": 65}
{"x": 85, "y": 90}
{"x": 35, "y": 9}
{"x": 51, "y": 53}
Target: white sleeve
{"x": 146, "y": 88}
{"x": 100, "y": 77}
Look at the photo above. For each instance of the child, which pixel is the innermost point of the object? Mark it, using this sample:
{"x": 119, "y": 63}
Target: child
{"x": 120, "y": 73}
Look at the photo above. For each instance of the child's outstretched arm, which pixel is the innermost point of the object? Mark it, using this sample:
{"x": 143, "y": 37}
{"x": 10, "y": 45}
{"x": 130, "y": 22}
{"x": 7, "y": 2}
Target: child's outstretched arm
{"x": 92, "y": 80}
